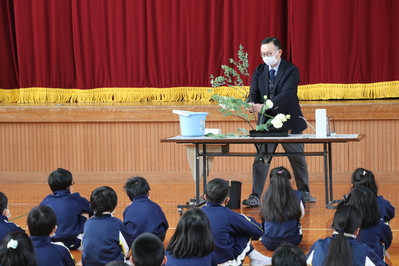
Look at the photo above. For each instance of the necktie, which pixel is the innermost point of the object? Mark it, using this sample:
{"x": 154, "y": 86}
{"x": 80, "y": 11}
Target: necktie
{"x": 272, "y": 74}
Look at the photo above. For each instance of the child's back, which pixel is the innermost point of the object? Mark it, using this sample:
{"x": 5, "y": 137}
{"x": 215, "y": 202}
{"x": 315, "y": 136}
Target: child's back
{"x": 42, "y": 223}
{"x": 281, "y": 211}
{"x": 143, "y": 215}
{"x": 364, "y": 177}
{"x": 342, "y": 249}
{"x": 193, "y": 242}
{"x": 71, "y": 209}
{"x": 232, "y": 231}
{"x": 106, "y": 238}
{"x": 5, "y": 225}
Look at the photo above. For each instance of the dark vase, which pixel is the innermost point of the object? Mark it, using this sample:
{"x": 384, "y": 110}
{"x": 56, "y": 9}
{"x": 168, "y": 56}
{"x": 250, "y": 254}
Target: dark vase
{"x": 273, "y": 132}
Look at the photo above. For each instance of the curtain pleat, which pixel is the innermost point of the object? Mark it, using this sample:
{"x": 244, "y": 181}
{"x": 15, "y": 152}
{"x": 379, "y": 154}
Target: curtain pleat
{"x": 165, "y": 50}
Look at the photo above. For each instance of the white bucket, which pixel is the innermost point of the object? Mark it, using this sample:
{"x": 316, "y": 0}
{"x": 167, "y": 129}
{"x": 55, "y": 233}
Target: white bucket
{"x": 192, "y": 124}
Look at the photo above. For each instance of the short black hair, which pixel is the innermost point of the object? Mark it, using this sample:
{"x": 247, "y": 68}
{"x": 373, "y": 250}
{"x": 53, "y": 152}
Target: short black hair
{"x": 217, "y": 190}
{"x": 103, "y": 199}
{"x": 3, "y": 202}
{"x": 136, "y": 186}
{"x": 148, "y": 250}
{"x": 41, "y": 221}
{"x": 288, "y": 255}
{"x": 273, "y": 40}
{"x": 59, "y": 179}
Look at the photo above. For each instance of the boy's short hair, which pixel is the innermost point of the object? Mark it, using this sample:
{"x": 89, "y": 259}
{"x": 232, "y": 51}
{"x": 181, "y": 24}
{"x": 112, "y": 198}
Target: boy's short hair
{"x": 41, "y": 221}
{"x": 136, "y": 186}
{"x": 147, "y": 250}
{"x": 3, "y": 202}
{"x": 59, "y": 179}
{"x": 288, "y": 255}
{"x": 103, "y": 199}
{"x": 217, "y": 190}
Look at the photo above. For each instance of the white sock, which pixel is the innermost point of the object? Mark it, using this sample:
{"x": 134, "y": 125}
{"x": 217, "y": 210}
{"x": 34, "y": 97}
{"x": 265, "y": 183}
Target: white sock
{"x": 255, "y": 256}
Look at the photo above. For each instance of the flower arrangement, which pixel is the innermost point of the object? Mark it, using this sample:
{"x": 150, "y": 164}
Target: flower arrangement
{"x": 273, "y": 121}
{"x": 238, "y": 106}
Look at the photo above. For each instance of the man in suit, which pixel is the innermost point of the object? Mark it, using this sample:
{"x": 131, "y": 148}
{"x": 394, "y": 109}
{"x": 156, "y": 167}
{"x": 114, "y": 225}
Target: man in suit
{"x": 277, "y": 79}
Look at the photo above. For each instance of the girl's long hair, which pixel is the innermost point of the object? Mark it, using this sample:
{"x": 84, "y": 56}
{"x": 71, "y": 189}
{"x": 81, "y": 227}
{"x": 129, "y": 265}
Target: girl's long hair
{"x": 347, "y": 219}
{"x": 280, "y": 203}
{"x": 364, "y": 177}
{"x": 21, "y": 253}
{"x": 193, "y": 236}
{"x": 365, "y": 201}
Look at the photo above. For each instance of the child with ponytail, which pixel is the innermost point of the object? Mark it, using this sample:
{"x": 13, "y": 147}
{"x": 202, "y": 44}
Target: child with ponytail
{"x": 373, "y": 231}
{"x": 342, "y": 249}
{"x": 281, "y": 211}
{"x": 364, "y": 177}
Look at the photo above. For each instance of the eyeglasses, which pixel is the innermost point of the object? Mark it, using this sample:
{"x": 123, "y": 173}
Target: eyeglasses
{"x": 268, "y": 54}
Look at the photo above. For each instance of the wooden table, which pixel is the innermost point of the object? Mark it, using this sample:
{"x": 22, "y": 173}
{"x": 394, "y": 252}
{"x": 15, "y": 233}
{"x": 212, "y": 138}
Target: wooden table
{"x": 258, "y": 142}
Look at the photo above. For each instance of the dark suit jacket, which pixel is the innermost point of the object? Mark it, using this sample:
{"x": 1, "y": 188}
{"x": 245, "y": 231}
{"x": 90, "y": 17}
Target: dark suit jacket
{"x": 284, "y": 95}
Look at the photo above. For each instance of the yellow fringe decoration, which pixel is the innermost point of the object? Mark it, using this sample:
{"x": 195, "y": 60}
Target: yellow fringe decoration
{"x": 378, "y": 90}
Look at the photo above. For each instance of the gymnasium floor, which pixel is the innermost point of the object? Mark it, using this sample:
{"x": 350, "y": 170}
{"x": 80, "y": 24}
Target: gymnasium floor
{"x": 316, "y": 223}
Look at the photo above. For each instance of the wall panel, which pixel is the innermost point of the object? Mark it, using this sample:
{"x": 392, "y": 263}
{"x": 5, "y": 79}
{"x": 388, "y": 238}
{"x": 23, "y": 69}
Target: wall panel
{"x": 119, "y": 145}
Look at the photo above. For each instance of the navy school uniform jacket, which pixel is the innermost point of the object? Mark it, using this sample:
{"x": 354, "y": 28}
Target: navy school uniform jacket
{"x": 48, "y": 253}
{"x": 361, "y": 253}
{"x": 387, "y": 211}
{"x": 145, "y": 216}
{"x": 286, "y": 229}
{"x": 105, "y": 239}
{"x": 193, "y": 261}
{"x": 373, "y": 236}
{"x": 226, "y": 226}
{"x": 6, "y": 227}
{"x": 68, "y": 208}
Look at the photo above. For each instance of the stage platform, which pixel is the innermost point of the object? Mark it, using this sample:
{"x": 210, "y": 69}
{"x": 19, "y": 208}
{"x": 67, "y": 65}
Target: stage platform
{"x": 107, "y": 141}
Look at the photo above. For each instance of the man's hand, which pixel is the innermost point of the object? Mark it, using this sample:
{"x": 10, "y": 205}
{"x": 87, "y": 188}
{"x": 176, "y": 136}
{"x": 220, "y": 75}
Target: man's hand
{"x": 255, "y": 108}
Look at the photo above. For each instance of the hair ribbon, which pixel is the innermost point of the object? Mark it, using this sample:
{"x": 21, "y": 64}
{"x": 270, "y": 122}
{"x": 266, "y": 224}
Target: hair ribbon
{"x": 12, "y": 244}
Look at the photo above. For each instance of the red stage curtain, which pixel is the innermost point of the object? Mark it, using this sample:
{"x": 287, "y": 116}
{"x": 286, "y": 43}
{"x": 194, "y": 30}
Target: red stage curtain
{"x": 344, "y": 41}
{"x": 121, "y": 45}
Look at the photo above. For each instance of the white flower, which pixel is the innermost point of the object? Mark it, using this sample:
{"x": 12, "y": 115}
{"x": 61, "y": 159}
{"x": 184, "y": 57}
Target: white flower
{"x": 281, "y": 117}
{"x": 277, "y": 123}
{"x": 269, "y": 104}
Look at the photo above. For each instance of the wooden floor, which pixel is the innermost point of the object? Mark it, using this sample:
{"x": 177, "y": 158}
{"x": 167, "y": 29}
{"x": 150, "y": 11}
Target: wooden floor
{"x": 316, "y": 223}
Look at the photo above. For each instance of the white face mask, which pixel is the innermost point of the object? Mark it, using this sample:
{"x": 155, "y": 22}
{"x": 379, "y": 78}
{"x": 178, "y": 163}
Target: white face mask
{"x": 270, "y": 60}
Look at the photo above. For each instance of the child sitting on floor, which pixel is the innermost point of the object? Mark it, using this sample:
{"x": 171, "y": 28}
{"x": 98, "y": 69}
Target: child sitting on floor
{"x": 106, "y": 238}
{"x": 42, "y": 223}
{"x": 5, "y": 225}
{"x": 364, "y": 177}
{"x": 281, "y": 211}
{"x": 148, "y": 250}
{"x": 143, "y": 215}
{"x": 71, "y": 209}
{"x": 16, "y": 249}
{"x": 342, "y": 249}
{"x": 192, "y": 243}
{"x": 373, "y": 231}
{"x": 233, "y": 232}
